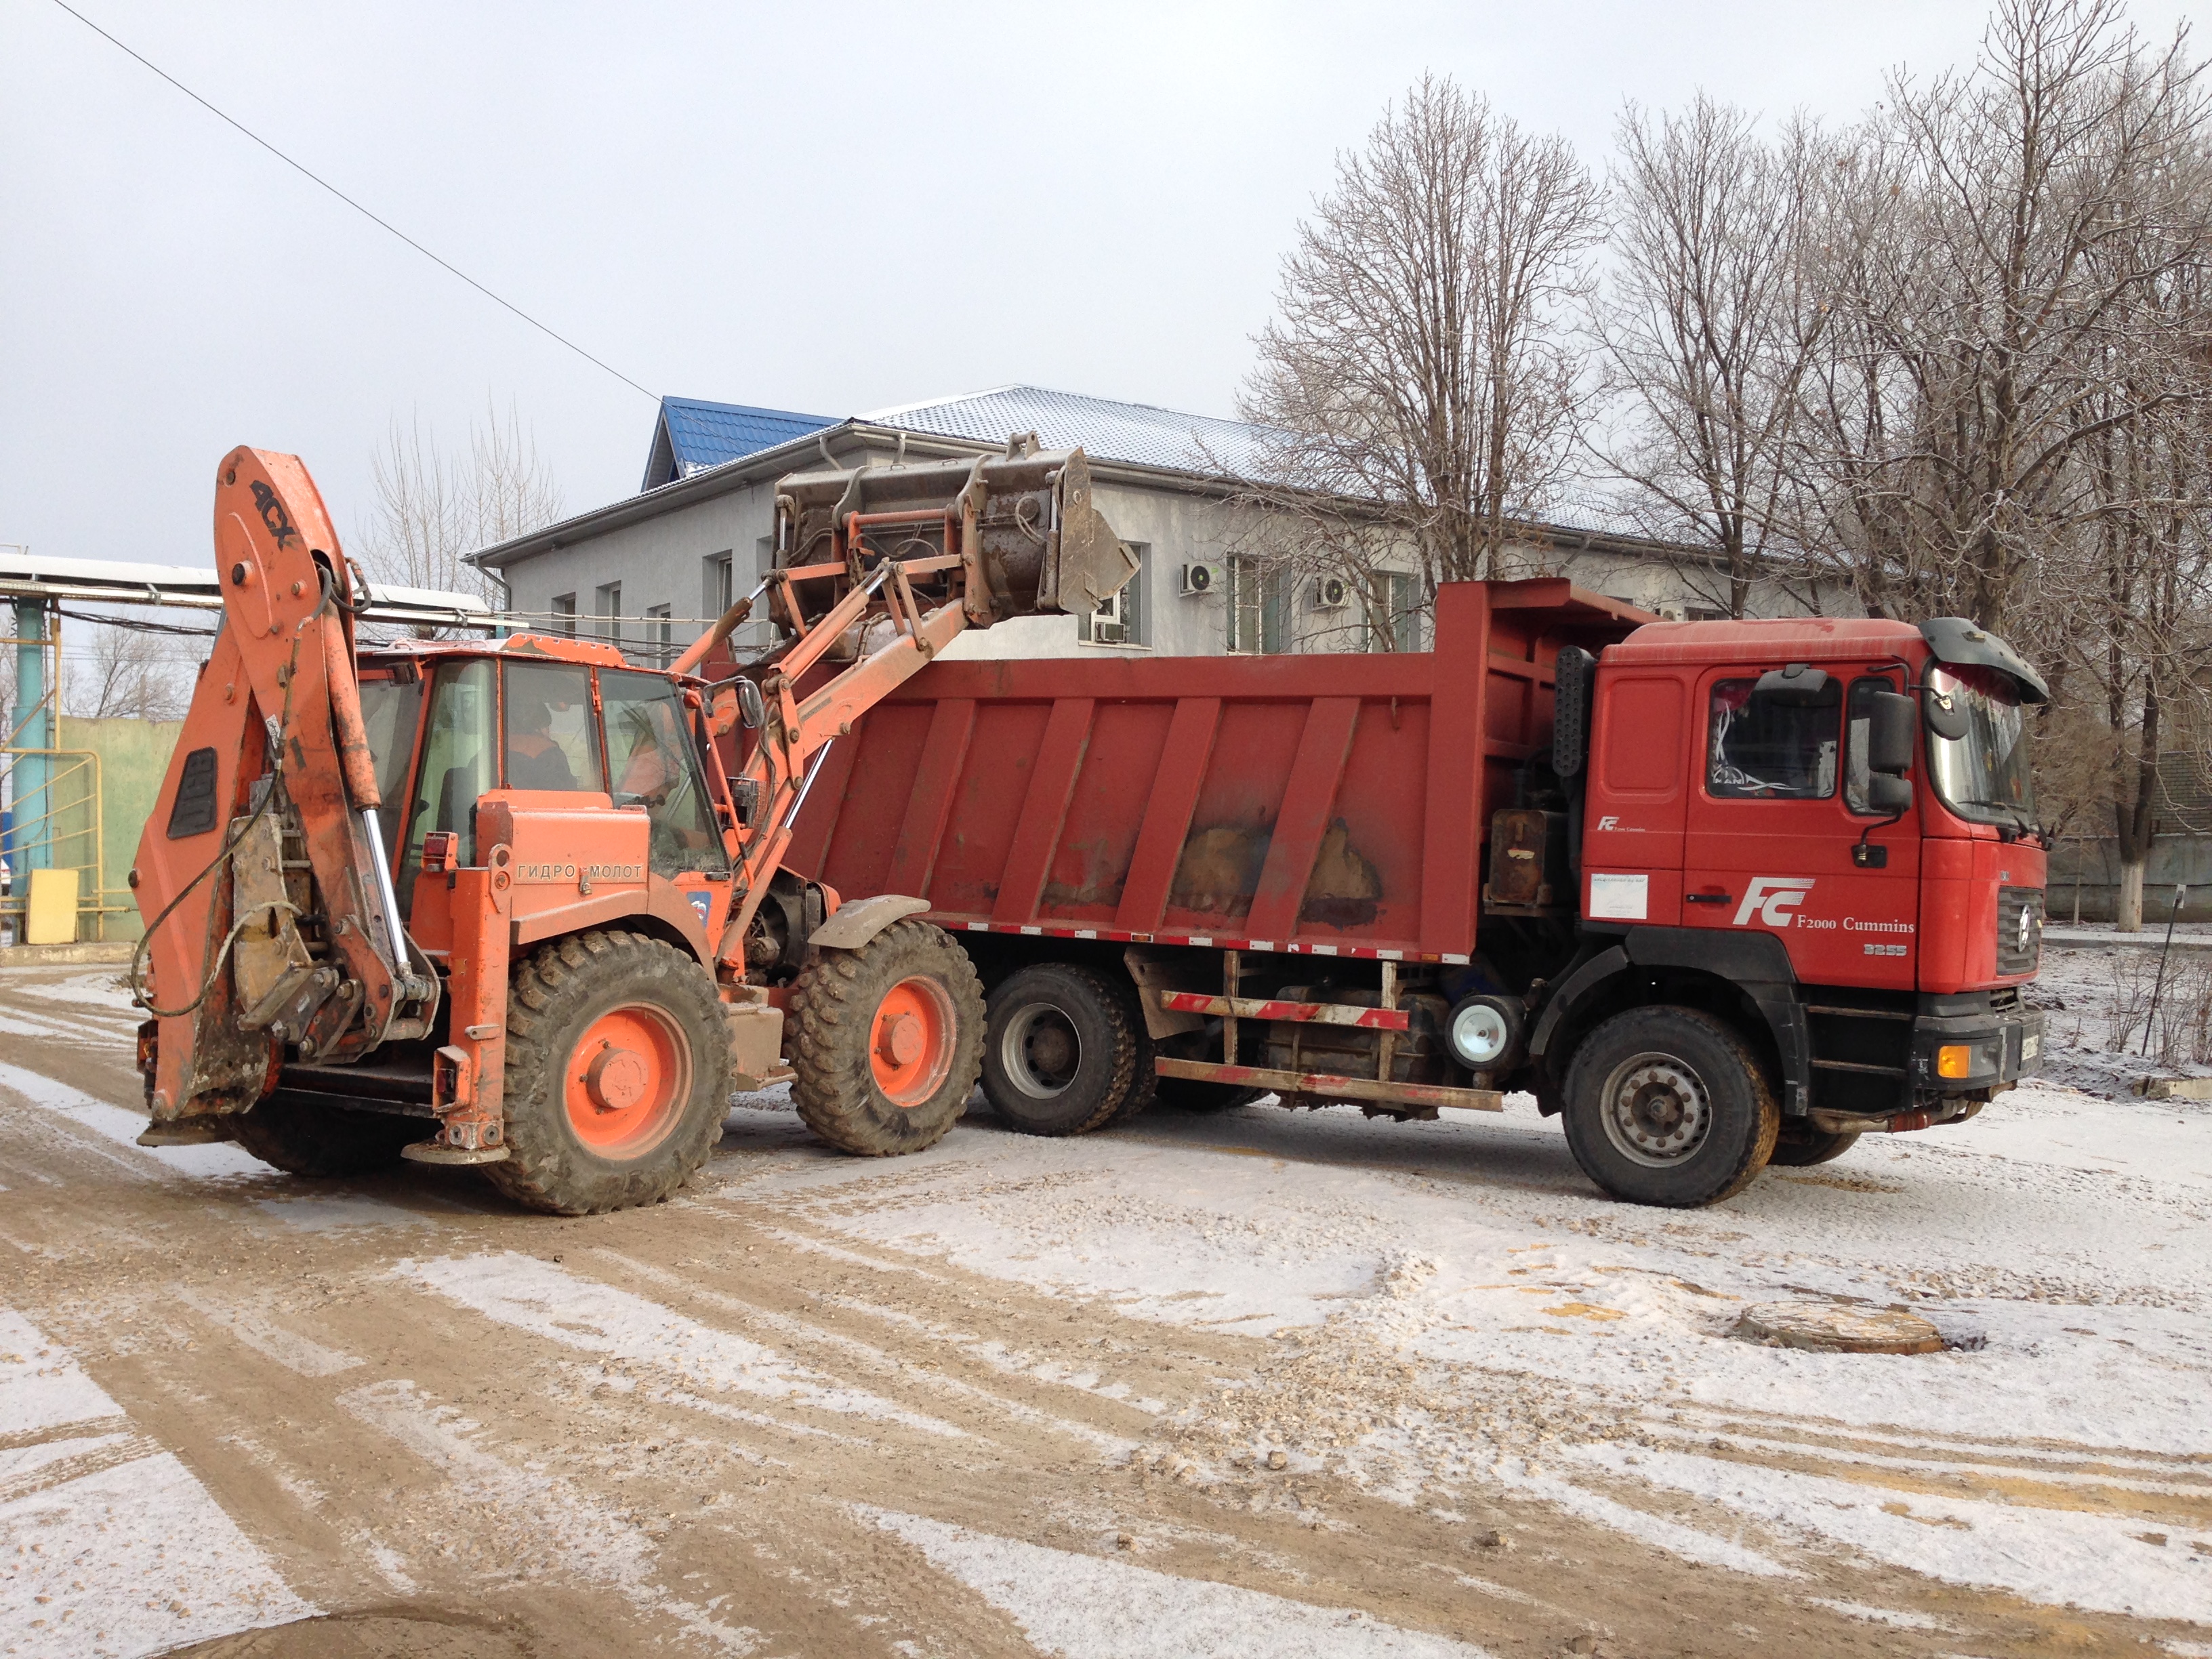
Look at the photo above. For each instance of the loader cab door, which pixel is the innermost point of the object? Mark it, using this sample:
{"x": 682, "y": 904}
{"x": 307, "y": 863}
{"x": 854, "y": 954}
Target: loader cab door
{"x": 460, "y": 756}
{"x": 1780, "y": 804}
{"x": 653, "y": 762}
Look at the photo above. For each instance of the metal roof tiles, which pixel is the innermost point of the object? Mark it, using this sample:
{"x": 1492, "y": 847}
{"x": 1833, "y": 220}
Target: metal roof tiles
{"x": 692, "y": 435}
{"x": 1137, "y": 433}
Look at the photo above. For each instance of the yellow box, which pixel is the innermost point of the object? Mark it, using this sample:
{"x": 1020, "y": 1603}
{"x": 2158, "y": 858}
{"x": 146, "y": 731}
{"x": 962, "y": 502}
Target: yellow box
{"x": 52, "y": 917}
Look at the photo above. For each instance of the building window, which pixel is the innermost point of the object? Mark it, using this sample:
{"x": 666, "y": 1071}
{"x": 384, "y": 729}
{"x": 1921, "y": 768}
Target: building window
{"x": 1121, "y": 619}
{"x": 718, "y": 595}
{"x": 609, "y": 610}
{"x": 564, "y": 614}
{"x": 660, "y": 632}
{"x": 1259, "y": 605}
{"x": 1400, "y": 627}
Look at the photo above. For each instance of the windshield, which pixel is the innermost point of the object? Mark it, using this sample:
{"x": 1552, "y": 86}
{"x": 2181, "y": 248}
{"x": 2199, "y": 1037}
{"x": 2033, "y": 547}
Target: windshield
{"x": 1984, "y": 777}
{"x": 389, "y": 708}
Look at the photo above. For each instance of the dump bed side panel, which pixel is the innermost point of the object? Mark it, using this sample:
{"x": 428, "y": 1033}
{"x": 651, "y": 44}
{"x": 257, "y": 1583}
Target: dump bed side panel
{"x": 1330, "y": 803}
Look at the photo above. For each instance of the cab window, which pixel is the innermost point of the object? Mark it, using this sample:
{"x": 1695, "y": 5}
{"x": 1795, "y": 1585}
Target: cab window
{"x": 1858, "y": 726}
{"x": 458, "y": 761}
{"x": 651, "y": 761}
{"x": 391, "y": 709}
{"x": 552, "y": 742}
{"x": 1766, "y": 746}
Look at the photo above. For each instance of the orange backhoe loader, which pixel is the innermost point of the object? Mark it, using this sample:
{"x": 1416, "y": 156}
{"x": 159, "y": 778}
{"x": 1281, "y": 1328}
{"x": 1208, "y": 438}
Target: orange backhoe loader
{"x": 499, "y": 902}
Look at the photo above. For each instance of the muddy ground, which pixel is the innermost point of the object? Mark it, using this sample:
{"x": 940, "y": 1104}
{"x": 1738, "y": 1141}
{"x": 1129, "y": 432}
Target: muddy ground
{"x": 1202, "y": 1385}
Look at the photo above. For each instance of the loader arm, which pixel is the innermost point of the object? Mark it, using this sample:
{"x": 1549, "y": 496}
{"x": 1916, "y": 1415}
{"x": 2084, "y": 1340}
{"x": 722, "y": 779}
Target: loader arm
{"x": 272, "y": 919}
{"x": 888, "y": 565}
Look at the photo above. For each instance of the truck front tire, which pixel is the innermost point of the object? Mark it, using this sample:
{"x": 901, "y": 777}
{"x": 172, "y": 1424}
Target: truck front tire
{"x": 1804, "y": 1146}
{"x": 1669, "y": 1106}
{"x": 1060, "y": 1050}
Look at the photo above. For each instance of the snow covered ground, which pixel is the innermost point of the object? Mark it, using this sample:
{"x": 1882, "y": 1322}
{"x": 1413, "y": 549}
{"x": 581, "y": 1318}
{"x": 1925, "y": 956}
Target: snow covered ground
{"x": 1456, "y": 1310}
{"x": 1279, "y": 1319}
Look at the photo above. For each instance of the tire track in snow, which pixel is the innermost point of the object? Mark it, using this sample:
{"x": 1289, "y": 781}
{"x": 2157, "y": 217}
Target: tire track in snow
{"x": 110, "y": 1547}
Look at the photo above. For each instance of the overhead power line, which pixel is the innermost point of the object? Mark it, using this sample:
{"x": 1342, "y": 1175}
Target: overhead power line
{"x": 386, "y": 224}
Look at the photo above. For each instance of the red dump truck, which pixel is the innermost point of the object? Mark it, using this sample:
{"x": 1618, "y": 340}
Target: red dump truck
{"x": 1723, "y": 893}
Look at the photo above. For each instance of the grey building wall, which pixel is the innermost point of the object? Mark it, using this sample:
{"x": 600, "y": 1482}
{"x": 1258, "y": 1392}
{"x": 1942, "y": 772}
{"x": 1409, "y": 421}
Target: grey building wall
{"x": 667, "y": 557}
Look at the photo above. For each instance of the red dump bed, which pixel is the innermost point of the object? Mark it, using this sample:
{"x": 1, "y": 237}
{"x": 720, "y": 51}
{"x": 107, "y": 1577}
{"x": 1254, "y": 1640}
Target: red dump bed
{"x": 1329, "y": 804}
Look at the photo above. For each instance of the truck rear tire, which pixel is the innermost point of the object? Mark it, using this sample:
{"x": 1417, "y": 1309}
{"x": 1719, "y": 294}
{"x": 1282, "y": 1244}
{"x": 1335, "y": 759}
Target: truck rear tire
{"x": 1669, "y": 1106}
{"x": 324, "y": 1141}
{"x": 887, "y": 1040}
{"x": 617, "y": 1074}
{"x": 1806, "y": 1146}
{"x": 1059, "y": 1050}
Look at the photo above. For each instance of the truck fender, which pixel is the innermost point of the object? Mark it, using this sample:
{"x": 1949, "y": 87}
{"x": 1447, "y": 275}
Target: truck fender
{"x": 1571, "y": 991}
{"x": 855, "y": 924}
{"x": 1756, "y": 963}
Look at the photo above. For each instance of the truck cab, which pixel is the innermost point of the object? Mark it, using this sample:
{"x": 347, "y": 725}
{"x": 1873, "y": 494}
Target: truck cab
{"x": 1835, "y": 819}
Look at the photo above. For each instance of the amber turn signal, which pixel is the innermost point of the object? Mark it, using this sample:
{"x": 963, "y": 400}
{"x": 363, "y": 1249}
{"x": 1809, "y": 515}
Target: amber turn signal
{"x": 1955, "y": 1059}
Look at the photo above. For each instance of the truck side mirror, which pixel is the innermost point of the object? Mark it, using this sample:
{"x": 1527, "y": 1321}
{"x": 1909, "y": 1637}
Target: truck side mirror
{"x": 1891, "y": 729}
{"x": 1889, "y": 795}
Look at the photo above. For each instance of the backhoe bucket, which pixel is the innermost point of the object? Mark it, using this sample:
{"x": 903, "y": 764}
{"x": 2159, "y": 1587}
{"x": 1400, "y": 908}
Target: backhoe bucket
{"x": 1010, "y": 535}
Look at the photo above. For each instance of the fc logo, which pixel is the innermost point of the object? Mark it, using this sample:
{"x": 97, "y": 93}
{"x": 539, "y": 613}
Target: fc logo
{"x": 1773, "y": 899}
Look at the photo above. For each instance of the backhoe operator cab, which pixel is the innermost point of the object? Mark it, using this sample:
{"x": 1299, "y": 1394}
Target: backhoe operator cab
{"x": 1809, "y": 867}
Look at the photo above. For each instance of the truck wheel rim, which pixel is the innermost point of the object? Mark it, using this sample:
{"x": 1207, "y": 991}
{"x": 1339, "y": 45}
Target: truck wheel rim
{"x": 628, "y": 1081}
{"x": 1656, "y": 1110}
{"x": 1041, "y": 1051}
{"x": 911, "y": 1042}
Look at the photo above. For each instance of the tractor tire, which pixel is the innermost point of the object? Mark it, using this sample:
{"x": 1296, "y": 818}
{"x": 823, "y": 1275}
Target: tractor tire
{"x": 889, "y": 1041}
{"x": 1059, "y": 1050}
{"x": 1806, "y": 1146}
{"x": 1190, "y": 1094}
{"x": 1669, "y": 1106}
{"x": 326, "y": 1142}
{"x": 617, "y": 1074}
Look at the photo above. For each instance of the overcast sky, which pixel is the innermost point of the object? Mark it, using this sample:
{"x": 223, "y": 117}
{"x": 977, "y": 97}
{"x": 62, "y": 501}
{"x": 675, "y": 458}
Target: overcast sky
{"x": 829, "y": 208}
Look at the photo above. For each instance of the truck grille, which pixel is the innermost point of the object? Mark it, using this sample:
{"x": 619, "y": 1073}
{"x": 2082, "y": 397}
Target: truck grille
{"x": 2019, "y": 929}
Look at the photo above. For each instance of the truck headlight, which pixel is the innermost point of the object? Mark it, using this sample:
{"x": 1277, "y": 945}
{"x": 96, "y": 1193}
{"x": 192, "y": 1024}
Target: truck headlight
{"x": 1961, "y": 1059}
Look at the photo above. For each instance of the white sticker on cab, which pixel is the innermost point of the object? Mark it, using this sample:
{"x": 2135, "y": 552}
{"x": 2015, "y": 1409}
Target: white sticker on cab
{"x": 1619, "y": 898}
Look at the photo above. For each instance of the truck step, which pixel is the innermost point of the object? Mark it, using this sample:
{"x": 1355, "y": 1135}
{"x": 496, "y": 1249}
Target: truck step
{"x": 1333, "y": 1087}
{"x": 1311, "y": 1013}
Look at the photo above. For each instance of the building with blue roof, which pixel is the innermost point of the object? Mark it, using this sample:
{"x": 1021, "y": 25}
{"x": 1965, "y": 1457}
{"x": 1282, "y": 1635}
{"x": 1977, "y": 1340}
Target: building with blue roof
{"x": 653, "y": 571}
{"x": 691, "y": 434}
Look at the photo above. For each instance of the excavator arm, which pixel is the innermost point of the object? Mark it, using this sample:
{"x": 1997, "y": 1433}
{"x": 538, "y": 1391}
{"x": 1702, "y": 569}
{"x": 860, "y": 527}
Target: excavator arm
{"x": 264, "y": 870}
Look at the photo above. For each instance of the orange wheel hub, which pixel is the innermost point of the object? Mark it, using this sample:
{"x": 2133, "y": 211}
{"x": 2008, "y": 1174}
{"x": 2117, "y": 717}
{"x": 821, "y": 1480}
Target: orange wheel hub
{"x": 628, "y": 1081}
{"x": 911, "y": 1041}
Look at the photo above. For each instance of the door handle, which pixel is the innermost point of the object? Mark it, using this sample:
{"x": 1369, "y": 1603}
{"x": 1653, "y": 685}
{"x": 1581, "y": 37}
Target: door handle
{"x": 1707, "y": 898}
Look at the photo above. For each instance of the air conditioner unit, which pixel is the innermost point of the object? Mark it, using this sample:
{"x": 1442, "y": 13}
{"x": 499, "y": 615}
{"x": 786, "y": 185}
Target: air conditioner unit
{"x": 1199, "y": 580}
{"x": 1675, "y": 610}
{"x": 1331, "y": 593}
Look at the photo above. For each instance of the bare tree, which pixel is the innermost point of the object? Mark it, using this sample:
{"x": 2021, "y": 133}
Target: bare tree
{"x": 1708, "y": 321}
{"x": 1421, "y": 362}
{"x": 124, "y": 671}
{"x": 1979, "y": 308}
{"x": 435, "y": 507}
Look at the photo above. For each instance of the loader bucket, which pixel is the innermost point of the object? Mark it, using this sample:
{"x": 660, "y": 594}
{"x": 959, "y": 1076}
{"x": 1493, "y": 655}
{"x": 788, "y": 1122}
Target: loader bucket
{"x": 1010, "y": 535}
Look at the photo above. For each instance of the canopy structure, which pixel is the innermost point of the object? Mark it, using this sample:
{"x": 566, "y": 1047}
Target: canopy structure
{"x": 24, "y": 576}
